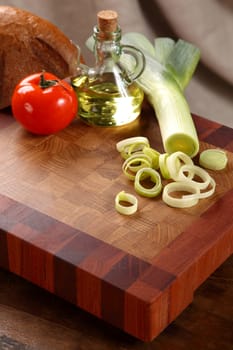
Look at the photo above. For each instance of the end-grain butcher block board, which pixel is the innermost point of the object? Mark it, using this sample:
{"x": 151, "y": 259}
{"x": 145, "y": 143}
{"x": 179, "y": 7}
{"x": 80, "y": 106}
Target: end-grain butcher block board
{"x": 59, "y": 228}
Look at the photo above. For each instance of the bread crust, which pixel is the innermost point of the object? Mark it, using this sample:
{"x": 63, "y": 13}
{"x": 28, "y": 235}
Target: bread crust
{"x": 30, "y": 44}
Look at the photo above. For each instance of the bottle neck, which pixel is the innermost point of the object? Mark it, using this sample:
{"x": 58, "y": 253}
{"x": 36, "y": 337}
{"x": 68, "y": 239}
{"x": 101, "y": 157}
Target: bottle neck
{"x": 107, "y": 45}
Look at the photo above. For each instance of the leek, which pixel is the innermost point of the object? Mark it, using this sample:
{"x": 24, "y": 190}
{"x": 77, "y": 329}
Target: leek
{"x": 169, "y": 68}
{"x": 213, "y": 159}
{"x": 182, "y": 61}
{"x": 163, "y": 48}
{"x": 155, "y": 178}
{"x": 126, "y": 203}
{"x": 185, "y": 201}
{"x": 177, "y": 166}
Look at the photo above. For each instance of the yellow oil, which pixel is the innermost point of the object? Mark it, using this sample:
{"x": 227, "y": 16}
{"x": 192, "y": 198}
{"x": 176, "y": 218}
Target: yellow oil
{"x": 103, "y": 102}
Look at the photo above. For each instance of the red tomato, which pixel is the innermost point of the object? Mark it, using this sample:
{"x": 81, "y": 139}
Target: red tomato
{"x": 44, "y": 104}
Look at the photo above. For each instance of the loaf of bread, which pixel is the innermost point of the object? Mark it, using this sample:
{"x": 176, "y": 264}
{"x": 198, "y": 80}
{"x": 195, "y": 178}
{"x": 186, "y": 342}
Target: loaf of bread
{"x": 30, "y": 44}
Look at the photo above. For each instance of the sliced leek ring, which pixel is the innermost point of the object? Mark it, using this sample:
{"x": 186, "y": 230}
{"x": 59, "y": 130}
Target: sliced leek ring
{"x": 154, "y": 176}
{"x": 193, "y": 170}
{"x": 207, "y": 193}
{"x": 163, "y": 166}
{"x": 185, "y": 201}
{"x": 128, "y": 198}
{"x": 175, "y": 161}
{"x": 213, "y": 159}
{"x": 153, "y": 154}
{"x": 134, "y": 163}
{"x": 131, "y": 145}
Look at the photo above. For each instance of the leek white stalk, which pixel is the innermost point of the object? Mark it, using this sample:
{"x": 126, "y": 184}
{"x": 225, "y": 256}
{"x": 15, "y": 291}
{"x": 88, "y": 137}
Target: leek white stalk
{"x": 163, "y": 83}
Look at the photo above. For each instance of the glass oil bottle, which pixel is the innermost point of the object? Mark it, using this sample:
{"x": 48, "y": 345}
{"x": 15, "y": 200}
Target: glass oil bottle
{"x": 107, "y": 93}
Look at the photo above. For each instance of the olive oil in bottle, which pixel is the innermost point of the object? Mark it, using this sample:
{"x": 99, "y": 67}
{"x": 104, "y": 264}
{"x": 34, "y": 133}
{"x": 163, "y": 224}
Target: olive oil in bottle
{"x": 102, "y": 103}
{"x": 107, "y": 93}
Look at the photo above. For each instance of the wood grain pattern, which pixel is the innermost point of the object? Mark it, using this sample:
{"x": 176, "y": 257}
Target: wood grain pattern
{"x": 60, "y": 231}
{"x": 34, "y": 319}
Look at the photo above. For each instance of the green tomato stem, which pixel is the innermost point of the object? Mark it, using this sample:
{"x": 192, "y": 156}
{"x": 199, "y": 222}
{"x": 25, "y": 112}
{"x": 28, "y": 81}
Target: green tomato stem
{"x": 46, "y": 83}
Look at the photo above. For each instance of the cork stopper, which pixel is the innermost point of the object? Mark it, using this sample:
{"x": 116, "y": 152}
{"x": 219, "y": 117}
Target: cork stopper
{"x": 107, "y": 20}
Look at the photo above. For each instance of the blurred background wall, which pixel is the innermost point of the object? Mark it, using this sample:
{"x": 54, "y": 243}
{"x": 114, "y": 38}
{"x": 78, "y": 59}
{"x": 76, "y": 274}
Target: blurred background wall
{"x": 208, "y": 24}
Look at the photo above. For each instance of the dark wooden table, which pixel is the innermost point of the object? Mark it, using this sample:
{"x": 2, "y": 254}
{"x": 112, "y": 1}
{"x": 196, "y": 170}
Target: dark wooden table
{"x": 59, "y": 230}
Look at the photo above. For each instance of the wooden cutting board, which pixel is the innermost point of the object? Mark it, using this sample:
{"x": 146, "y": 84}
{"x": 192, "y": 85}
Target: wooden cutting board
{"x": 59, "y": 228}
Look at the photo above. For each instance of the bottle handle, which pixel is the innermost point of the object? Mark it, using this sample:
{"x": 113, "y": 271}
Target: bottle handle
{"x": 139, "y": 59}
